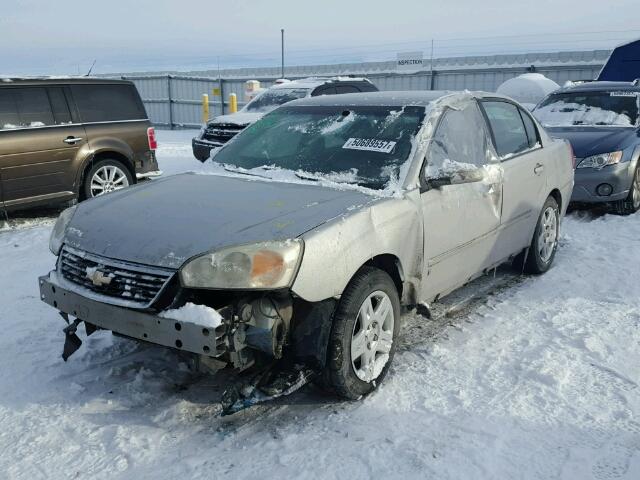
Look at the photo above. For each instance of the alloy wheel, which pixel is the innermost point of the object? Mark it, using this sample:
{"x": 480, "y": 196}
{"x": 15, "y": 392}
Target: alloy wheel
{"x": 107, "y": 179}
{"x": 372, "y": 336}
{"x": 635, "y": 195}
{"x": 548, "y": 237}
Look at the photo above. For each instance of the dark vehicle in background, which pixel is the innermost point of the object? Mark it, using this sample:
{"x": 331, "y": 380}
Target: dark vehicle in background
{"x": 221, "y": 129}
{"x": 71, "y": 138}
{"x": 600, "y": 120}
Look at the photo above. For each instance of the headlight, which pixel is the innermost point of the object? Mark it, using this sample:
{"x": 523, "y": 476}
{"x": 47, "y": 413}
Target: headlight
{"x": 601, "y": 160}
{"x": 202, "y": 130}
{"x": 266, "y": 265}
{"x": 57, "y": 234}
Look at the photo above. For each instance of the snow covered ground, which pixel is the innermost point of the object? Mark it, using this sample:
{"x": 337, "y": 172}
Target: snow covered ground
{"x": 537, "y": 380}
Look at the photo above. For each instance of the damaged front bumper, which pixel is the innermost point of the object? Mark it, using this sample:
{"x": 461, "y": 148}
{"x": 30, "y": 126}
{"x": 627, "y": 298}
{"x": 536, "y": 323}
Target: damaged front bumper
{"x": 184, "y": 335}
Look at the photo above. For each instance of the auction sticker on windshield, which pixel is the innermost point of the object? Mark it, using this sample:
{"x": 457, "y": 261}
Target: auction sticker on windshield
{"x": 624, "y": 94}
{"x": 369, "y": 144}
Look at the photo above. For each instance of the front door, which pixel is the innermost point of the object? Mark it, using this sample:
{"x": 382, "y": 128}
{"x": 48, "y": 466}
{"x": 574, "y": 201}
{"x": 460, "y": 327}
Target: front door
{"x": 38, "y": 145}
{"x": 460, "y": 220}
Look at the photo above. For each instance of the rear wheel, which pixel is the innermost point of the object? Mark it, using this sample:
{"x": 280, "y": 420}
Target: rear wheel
{"x": 540, "y": 254}
{"x": 363, "y": 336}
{"x": 632, "y": 203}
{"x": 106, "y": 176}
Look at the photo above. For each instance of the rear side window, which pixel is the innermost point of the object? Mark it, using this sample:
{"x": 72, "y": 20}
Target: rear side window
{"x": 346, "y": 89}
{"x": 24, "y": 107}
{"x": 367, "y": 87}
{"x": 59, "y": 106}
{"x": 324, "y": 91}
{"x": 108, "y": 103}
{"x": 508, "y": 129}
{"x": 529, "y": 126}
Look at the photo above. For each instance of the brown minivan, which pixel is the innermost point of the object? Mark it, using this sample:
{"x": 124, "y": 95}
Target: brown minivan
{"x": 71, "y": 138}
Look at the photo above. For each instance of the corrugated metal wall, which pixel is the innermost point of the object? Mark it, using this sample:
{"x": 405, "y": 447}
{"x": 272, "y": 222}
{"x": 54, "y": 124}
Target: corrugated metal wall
{"x": 176, "y": 101}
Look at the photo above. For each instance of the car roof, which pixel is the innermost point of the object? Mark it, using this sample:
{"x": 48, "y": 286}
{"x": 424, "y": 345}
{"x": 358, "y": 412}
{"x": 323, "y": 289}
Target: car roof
{"x": 599, "y": 86}
{"x": 21, "y": 81}
{"x": 390, "y": 99}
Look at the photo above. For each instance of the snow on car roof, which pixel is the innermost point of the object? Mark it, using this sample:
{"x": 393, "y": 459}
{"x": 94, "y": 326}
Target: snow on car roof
{"x": 599, "y": 86}
{"x": 400, "y": 98}
{"x": 312, "y": 82}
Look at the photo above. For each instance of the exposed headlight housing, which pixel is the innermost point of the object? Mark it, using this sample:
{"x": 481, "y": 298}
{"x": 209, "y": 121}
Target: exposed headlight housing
{"x": 266, "y": 265}
{"x": 57, "y": 234}
{"x": 601, "y": 160}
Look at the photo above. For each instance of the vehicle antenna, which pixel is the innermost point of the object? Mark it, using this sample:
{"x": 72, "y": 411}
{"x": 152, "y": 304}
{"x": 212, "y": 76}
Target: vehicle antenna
{"x": 91, "y": 69}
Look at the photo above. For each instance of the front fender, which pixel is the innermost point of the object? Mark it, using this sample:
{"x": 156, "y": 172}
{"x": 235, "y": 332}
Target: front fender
{"x": 335, "y": 251}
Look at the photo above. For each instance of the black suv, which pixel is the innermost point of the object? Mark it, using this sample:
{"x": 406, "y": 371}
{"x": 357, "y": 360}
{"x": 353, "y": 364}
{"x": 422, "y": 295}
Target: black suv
{"x": 221, "y": 129}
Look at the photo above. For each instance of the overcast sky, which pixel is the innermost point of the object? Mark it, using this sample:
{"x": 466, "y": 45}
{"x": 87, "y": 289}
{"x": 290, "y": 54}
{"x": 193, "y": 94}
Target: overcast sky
{"x": 65, "y": 36}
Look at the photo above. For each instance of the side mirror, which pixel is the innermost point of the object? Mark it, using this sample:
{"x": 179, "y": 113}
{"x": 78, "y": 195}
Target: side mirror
{"x": 457, "y": 177}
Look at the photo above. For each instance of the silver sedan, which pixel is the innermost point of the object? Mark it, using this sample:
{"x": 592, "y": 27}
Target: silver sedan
{"x": 315, "y": 225}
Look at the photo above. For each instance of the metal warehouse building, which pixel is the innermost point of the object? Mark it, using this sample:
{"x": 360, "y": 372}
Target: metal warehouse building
{"x": 174, "y": 100}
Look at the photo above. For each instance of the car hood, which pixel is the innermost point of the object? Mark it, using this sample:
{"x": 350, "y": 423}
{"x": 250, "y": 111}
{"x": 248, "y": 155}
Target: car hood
{"x": 588, "y": 141}
{"x": 165, "y": 222}
{"x": 241, "y": 119}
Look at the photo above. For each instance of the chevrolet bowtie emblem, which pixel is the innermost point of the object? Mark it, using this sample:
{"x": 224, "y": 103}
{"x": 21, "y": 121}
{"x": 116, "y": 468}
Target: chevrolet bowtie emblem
{"x": 98, "y": 278}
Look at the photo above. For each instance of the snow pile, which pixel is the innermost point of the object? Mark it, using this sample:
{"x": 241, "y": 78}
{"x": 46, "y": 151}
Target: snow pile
{"x": 528, "y": 88}
{"x": 198, "y": 314}
{"x": 540, "y": 381}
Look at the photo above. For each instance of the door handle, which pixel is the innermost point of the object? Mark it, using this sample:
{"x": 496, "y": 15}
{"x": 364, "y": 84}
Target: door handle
{"x": 538, "y": 169}
{"x": 72, "y": 140}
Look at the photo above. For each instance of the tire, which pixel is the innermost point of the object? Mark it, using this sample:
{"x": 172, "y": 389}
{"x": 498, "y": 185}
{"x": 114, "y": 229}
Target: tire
{"x": 102, "y": 170}
{"x": 539, "y": 257}
{"x": 349, "y": 377}
{"x": 632, "y": 203}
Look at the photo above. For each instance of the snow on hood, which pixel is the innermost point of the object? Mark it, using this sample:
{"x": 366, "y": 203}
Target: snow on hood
{"x": 239, "y": 118}
{"x": 167, "y": 221}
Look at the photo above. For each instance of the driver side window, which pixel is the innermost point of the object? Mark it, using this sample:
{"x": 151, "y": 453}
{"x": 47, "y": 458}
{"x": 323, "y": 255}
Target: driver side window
{"x": 459, "y": 143}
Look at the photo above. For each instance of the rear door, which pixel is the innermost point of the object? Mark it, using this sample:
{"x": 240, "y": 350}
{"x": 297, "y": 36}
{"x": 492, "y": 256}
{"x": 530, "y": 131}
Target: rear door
{"x": 517, "y": 143}
{"x": 460, "y": 221}
{"x": 39, "y": 144}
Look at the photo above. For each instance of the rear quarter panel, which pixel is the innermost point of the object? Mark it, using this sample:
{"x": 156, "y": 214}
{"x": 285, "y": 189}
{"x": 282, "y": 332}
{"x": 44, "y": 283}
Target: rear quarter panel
{"x": 559, "y": 167}
{"x": 128, "y": 138}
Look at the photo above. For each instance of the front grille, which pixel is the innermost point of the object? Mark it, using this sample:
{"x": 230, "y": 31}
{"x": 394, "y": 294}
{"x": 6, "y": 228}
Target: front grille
{"x": 124, "y": 281}
{"x": 222, "y": 133}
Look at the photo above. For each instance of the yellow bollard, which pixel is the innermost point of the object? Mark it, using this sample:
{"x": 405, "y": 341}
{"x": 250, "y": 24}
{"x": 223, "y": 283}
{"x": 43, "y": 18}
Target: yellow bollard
{"x": 205, "y": 108}
{"x": 233, "y": 103}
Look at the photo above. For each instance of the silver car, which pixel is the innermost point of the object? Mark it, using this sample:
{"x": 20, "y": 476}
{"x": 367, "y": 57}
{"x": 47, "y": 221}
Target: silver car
{"x": 316, "y": 226}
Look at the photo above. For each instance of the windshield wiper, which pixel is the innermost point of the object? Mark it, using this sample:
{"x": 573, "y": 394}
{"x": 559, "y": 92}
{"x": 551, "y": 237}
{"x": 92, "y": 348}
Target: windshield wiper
{"x": 307, "y": 177}
{"x": 243, "y": 172}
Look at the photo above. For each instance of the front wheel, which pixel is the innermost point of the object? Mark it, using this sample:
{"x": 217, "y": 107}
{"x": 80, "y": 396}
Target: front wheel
{"x": 540, "y": 254}
{"x": 364, "y": 333}
{"x": 632, "y": 203}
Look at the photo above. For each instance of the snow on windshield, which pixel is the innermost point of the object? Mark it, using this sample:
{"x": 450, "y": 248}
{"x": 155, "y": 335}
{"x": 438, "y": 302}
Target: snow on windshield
{"x": 590, "y": 108}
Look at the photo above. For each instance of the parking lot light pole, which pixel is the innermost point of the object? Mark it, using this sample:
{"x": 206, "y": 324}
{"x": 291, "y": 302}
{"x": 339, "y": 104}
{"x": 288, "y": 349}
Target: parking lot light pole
{"x": 282, "y": 52}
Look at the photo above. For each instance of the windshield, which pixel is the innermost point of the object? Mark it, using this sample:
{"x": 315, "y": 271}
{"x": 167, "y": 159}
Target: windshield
{"x": 589, "y": 108}
{"x": 273, "y": 98}
{"x": 361, "y": 145}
